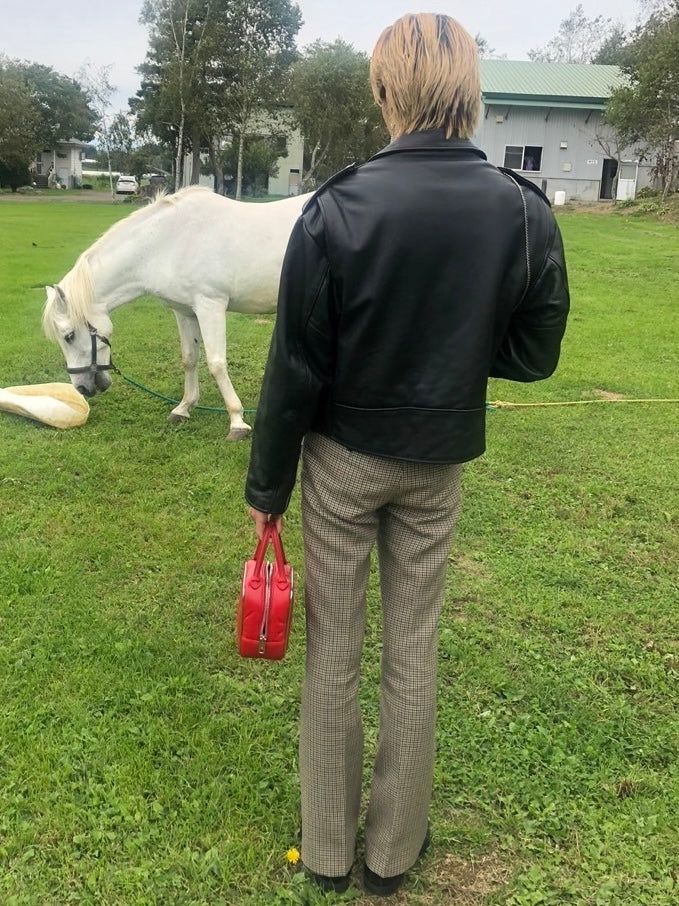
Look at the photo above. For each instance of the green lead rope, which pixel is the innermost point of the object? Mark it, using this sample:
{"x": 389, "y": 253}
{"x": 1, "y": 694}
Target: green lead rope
{"x": 168, "y": 399}
{"x": 493, "y": 406}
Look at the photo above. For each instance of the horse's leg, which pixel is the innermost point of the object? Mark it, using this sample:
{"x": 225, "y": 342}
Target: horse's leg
{"x": 189, "y": 337}
{"x": 212, "y": 319}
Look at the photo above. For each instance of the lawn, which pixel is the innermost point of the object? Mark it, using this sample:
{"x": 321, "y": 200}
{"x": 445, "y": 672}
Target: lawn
{"x": 143, "y": 763}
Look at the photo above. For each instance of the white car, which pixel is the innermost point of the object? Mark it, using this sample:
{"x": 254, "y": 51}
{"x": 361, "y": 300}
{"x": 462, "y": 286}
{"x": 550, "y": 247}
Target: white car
{"x": 127, "y": 185}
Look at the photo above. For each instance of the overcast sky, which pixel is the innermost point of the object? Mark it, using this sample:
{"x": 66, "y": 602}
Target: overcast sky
{"x": 68, "y": 35}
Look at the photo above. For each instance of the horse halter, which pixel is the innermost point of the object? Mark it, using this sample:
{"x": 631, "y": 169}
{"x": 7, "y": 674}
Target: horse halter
{"x": 94, "y": 366}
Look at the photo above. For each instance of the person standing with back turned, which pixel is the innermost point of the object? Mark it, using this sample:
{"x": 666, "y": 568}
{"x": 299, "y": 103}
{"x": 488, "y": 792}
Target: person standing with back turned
{"x": 407, "y": 282}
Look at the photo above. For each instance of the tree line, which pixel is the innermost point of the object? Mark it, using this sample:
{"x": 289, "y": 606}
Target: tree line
{"x": 38, "y": 108}
{"x": 223, "y": 81}
{"x": 644, "y": 113}
{"x": 224, "y": 78}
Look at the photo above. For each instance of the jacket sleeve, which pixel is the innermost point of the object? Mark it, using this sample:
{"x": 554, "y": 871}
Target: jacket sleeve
{"x": 299, "y": 366}
{"x": 530, "y": 349}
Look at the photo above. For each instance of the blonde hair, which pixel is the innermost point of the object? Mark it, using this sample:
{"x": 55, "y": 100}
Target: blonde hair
{"x": 424, "y": 74}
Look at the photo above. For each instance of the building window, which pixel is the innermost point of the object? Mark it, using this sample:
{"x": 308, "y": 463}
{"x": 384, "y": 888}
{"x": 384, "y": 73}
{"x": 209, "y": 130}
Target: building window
{"x": 523, "y": 157}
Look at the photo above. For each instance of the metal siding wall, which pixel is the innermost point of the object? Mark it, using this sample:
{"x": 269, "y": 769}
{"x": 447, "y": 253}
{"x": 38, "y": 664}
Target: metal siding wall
{"x": 547, "y": 129}
{"x": 532, "y": 126}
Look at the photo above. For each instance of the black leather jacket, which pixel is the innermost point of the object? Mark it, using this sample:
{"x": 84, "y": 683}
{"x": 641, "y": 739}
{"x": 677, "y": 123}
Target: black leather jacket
{"x": 407, "y": 282}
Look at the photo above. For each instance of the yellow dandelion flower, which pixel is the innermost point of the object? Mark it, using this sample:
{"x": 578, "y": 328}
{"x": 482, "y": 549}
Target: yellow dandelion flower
{"x": 292, "y": 855}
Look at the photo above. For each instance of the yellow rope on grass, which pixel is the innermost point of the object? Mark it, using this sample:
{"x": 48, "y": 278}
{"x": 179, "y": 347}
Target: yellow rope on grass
{"x": 503, "y": 404}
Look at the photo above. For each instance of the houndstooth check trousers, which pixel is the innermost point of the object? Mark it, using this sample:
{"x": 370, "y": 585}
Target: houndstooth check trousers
{"x": 350, "y": 501}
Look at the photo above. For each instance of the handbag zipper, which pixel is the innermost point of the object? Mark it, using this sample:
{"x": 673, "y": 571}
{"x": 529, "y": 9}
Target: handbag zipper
{"x": 267, "y": 606}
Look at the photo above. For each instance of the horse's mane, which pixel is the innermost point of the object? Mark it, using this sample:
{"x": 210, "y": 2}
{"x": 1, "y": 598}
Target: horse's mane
{"x": 78, "y": 285}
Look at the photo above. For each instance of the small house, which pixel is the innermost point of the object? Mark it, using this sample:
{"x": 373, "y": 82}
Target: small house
{"x": 64, "y": 159}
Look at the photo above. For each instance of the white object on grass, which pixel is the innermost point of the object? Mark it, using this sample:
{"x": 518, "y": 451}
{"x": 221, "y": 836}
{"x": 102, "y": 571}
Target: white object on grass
{"x": 57, "y": 405}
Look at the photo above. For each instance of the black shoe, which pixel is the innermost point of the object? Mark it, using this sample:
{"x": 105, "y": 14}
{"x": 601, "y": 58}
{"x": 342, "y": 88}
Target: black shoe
{"x": 379, "y": 886}
{"x": 384, "y": 887}
{"x": 336, "y": 885}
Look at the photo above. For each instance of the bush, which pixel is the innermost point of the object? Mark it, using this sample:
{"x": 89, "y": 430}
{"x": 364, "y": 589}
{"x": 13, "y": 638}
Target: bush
{"x": 652, "y": 206}
{"x": 14, "y": 175}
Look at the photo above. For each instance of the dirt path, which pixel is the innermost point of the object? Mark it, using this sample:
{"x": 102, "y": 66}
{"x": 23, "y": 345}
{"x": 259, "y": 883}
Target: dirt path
{"x": 80, "y": 197}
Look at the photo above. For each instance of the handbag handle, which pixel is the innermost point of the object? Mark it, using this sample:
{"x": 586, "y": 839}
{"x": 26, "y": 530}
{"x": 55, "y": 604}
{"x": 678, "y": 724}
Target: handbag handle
{"x": 271, "y": 536}
{"x": 275, "y": 538}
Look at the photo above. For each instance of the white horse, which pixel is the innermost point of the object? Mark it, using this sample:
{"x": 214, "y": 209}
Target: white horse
{"x": 200, "y": 254}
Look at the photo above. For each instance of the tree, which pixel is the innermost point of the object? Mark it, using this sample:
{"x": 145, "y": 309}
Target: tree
{"x": 212, "y": 68}
{"x": 646, "y": 112}
{"x": 38, "y": 108}
{"x": 578, "y": 39}
{"x": 252, "y": 49}
{"x": 258, "y": 163}
{"x": 333, "y": 104}
{"x": 63, "y": 106}
{"x": 613, "y": 144}
{"x": 97, "y": 83}
{"x": 486, "y": 52}
{"x": 613, "y": 50}
{"x": 131, "y": 151}
{"x": 123, "y": 144}
{"x": 18, "y": 129}
{"x": 659, "y": 7}
{"x": 173, "y": 85}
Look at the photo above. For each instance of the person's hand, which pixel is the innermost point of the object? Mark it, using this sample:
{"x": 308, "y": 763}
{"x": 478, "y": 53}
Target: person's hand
{"x": 261, "y": 519}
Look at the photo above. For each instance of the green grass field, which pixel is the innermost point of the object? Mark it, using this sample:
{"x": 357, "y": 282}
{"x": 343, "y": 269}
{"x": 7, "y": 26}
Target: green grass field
{"x": 143, "y": 763}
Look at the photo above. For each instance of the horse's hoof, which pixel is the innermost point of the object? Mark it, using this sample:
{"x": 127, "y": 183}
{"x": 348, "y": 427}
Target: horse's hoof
{"x": 238, "y": 433}
{"x": 175, "y": 418}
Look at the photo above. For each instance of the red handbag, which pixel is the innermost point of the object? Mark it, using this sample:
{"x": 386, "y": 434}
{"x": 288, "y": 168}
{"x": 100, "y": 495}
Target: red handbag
{"x": 265, "y": 606}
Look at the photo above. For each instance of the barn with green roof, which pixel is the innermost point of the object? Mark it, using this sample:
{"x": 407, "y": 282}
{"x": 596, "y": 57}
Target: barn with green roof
{"x": 545, "y": 120}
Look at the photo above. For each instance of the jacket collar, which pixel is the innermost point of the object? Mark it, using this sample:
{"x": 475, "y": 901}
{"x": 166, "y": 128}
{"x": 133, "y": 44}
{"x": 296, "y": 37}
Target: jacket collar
{"x": 430, "y": 140}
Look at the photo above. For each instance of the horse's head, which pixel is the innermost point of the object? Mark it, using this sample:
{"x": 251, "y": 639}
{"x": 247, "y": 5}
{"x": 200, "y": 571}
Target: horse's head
{"x": 85, "y": 342}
